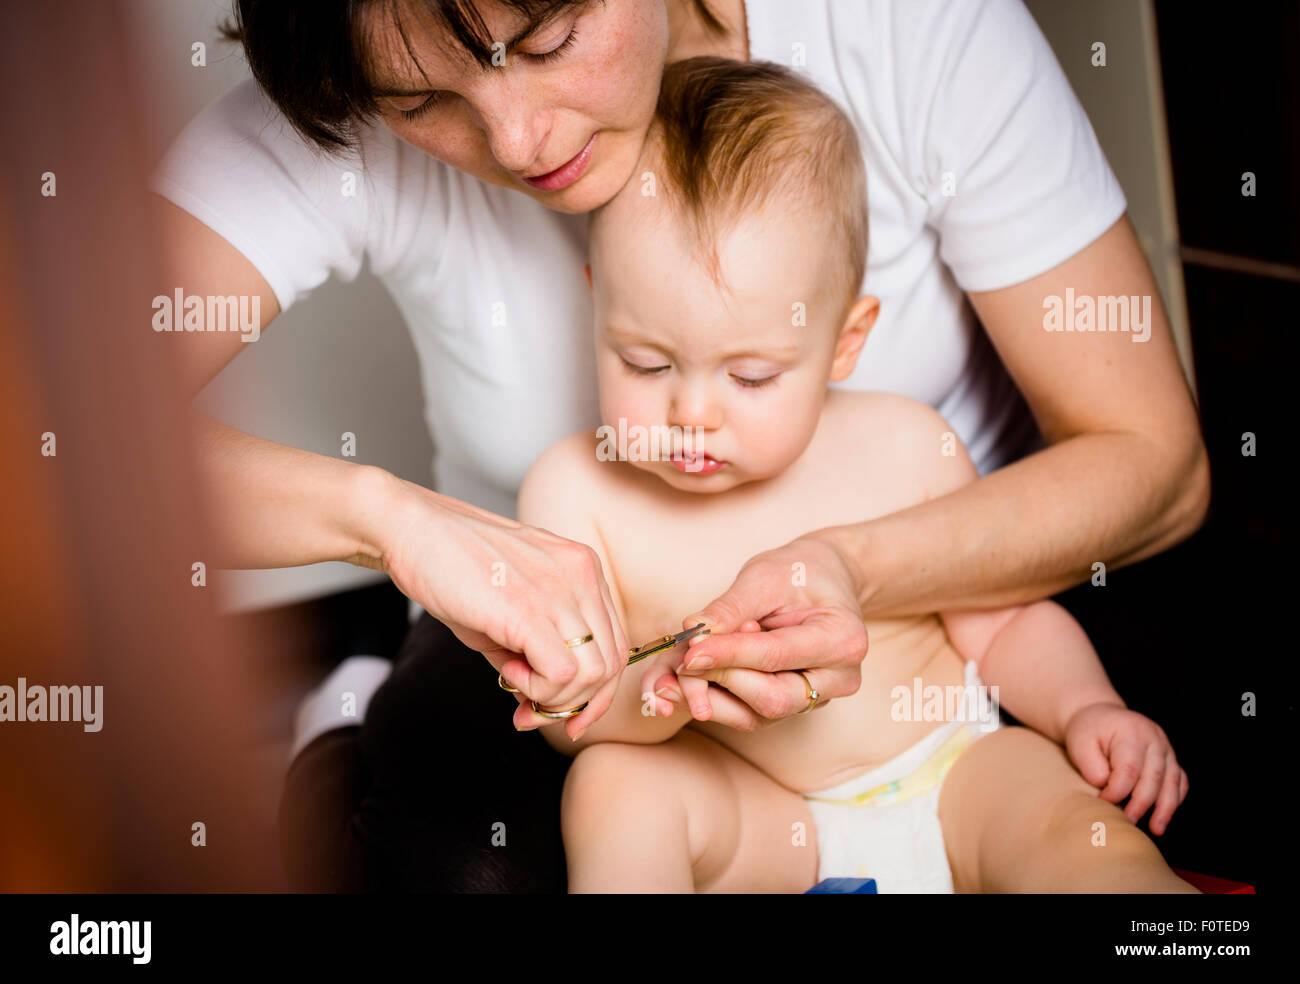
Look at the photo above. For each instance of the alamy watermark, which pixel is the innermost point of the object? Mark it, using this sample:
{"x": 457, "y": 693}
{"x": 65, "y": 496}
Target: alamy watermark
{"x": 53, "y": 704}
{"x": 215, "y": 312}
{"x": 659, "y": 442}
{"x": 975, "y": 703}
{"x": 104, "y": 938}
{"x": 1104, "y": 313}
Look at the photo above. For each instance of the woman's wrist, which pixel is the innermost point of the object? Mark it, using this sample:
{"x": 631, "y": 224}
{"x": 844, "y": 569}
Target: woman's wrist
{"x": 378, "y": 503}
{"x": 852, "y": 544}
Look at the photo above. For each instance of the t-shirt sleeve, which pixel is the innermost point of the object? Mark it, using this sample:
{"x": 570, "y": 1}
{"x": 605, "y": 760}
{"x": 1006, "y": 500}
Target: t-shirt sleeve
{"x": 1014, "y": 178}
{"x": 296, "y": 213}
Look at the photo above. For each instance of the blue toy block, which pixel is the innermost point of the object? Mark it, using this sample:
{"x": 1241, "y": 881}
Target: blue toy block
{"x": 844, "y": 886}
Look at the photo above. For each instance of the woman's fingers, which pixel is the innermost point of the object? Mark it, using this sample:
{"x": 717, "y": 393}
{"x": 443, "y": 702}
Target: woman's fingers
{"x": 826, "y": 641}
{"x": 695, "y": 695}
{"x": 770, "y": 697}
{"x": 726, "y": 709}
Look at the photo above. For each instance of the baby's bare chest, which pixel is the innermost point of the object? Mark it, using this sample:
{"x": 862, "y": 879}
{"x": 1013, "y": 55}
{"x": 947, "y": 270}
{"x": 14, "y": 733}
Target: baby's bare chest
{"x": 671, "y": 562}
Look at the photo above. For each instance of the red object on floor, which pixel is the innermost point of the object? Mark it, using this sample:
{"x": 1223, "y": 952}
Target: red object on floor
{"x": 1214, "y": 886}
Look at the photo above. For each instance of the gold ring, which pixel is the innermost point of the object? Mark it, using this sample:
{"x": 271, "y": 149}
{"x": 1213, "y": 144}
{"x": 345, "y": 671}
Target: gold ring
{"x": 501, "y": 682}
{"x": 579, "y": 640}
{"x": 813, "y": 695}
{"x": 572, "y": 712}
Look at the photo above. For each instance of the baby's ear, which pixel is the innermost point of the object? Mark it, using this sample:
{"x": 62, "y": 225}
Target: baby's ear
{"x": 853, "y": 335}
{"x": 586, "y": 272}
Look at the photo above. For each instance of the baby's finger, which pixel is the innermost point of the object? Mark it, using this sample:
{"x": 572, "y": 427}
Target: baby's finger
{"x": 1149, "y": 784}
{"x": 1090, "y": 759}
{"x": 1168, "y": 801}
{"x": 661, "y": 682}
{"x": 1125, "y": 770}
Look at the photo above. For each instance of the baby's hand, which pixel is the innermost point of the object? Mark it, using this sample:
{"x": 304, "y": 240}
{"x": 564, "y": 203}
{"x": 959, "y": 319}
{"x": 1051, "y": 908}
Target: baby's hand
{"x": 670, "y": 689}
{"x": 1127, "y": 754}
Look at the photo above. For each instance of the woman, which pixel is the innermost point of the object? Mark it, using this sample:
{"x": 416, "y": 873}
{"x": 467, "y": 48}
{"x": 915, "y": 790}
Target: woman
{"x": 467, "y": 139}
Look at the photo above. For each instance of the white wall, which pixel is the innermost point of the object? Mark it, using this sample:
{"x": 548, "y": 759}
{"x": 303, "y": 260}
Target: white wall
{"x": 341, "y": 360}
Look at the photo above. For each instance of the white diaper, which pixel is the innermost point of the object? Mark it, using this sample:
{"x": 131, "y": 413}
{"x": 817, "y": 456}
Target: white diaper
{"x": 884, "y": 824}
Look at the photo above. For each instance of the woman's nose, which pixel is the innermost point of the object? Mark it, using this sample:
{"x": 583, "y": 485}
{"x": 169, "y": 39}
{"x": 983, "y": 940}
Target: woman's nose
{"x": 515, "y": 125}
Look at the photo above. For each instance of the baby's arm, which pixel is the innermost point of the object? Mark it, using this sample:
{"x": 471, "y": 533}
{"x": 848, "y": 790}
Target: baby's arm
{"x": 1049, "y": 676}
{"x": 561, "y": 493}
{"x": 1039, "y": 658}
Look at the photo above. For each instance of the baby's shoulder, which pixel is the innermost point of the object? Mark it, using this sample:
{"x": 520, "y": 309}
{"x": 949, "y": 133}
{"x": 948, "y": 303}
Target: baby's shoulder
{"x": 568, "y": 463}
{"x": 570, "y": 475}
{"x": 888, "y": 434}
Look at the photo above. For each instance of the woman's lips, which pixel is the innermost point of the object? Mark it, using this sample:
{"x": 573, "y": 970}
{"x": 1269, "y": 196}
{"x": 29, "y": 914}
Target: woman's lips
{"x": 565, "y": 174}
{"x": 701, "y": 464}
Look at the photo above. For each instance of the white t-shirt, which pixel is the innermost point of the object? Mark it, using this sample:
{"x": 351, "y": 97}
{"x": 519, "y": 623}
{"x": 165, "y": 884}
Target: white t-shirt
{"x": 946, "y": 95}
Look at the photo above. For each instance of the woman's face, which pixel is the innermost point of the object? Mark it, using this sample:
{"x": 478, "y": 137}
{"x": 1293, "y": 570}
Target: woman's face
{"x": 562, "y": 119}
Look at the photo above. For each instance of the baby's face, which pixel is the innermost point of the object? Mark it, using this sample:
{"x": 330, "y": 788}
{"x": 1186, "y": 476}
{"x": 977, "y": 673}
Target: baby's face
{"x": 744, "y": 366}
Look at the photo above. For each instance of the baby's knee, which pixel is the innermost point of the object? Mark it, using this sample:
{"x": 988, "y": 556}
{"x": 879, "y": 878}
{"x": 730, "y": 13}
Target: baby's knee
{"x": 1101, "y": 850}
{"x": 610, "y": 776}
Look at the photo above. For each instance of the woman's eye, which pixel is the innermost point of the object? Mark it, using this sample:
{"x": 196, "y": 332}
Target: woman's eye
{"x": 554, "y": 50}
{"x": 753, "y": 383}
{"x": 413, "y": 107}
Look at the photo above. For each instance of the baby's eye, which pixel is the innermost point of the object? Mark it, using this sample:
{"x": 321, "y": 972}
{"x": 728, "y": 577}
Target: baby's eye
{"x": 643, "y": 370}
{"x": 753, "y": 383}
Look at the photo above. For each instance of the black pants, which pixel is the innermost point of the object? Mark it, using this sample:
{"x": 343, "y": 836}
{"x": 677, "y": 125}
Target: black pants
{"x": 436, "y": 791}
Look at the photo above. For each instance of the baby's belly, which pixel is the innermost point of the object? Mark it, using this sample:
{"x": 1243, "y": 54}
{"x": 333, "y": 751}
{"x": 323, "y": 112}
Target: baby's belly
{"x": 854, "y": 734}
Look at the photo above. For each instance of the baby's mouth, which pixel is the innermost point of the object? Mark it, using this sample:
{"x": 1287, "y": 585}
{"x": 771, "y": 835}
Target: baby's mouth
{"x": 696, "y": 463}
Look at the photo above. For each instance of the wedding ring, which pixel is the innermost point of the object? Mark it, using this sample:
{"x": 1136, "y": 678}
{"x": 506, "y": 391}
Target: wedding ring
{"x": 572, "y": 712}
{"x": 813, "y": 695}
{"x": 501, "y": 682}
{"x": 577, "y": 641}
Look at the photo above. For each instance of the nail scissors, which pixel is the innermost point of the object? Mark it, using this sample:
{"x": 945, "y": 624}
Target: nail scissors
{"x": 665, "y": 643}
{"x": 662, "y": 644}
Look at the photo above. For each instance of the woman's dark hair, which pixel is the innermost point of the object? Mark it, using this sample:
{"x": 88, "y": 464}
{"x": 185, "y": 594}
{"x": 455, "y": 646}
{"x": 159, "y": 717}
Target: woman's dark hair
{"x": 312, "y": 59}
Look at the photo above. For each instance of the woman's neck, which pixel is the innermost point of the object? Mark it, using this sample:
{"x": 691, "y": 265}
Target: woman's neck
{"x": 690, "y": 36}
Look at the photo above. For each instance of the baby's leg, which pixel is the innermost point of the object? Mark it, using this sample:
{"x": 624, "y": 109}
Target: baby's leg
{"x": 1018, "y": 817}
{"x": 682, "y": 816}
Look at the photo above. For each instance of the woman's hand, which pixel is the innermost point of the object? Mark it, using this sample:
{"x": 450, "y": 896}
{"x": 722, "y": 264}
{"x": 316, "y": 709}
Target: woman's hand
{"x": 515, "y": 594}
{"x": 793, "y": 608}
{"x": 1127, "y": 754}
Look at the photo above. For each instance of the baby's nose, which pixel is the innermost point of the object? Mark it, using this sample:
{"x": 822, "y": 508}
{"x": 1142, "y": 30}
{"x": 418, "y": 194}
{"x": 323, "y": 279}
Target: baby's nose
{"x": 695, "y": 406}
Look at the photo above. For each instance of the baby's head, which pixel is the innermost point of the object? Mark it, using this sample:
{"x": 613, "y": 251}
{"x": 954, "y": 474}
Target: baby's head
{"x": 726, "y": 274}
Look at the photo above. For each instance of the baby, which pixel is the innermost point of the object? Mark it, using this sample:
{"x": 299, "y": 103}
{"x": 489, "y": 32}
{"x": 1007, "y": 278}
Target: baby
{"x": 725, "y": 279}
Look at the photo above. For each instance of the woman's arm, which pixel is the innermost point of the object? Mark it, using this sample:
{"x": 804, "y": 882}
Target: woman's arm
{"x": 275, "y": 506}
{"x": 1126, "y": 475}
{"x": 278, "y": 506}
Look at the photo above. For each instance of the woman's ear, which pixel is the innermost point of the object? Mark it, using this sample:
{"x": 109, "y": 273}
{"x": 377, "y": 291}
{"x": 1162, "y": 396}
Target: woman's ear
{"x": 853, "y": 335}
{"x": 586, "y": 272}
